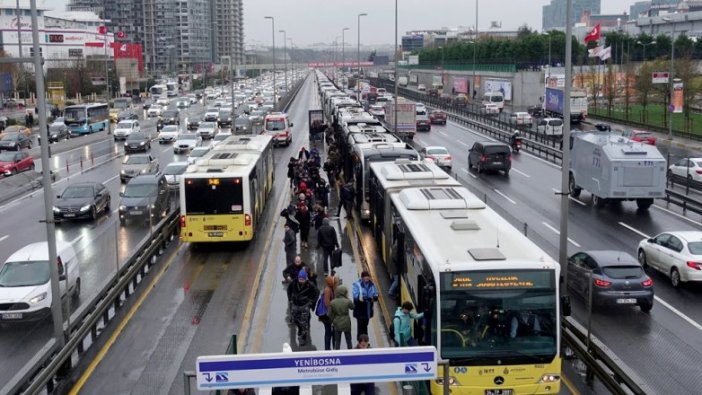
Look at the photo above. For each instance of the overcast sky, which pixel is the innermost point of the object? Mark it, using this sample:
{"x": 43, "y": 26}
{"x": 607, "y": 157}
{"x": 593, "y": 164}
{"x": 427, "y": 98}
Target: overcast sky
{"x": 312, "y": 21}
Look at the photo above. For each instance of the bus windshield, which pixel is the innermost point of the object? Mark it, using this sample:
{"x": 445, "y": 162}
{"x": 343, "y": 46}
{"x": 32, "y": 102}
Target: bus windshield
{"x": 507, "y": 316}
{"x": 74, "y": 115}
{"x": 214, "y": 196}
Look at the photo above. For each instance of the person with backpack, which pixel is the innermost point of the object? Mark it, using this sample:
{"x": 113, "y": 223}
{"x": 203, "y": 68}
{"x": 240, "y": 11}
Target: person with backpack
{"x": 339, "y": 314}
{"x": 402, "y": 325}
{"x": 301, "y": 297}
{"x": 364, "y": 294}
{"x": 331, "y": 282}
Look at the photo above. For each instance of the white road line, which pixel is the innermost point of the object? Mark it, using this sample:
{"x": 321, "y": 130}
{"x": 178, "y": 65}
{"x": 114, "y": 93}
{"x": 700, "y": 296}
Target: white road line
{"x": 677, "y": 215}
{"x": 679, "y": 313}
{"x": 638, "y": 232}
{"x": 521, "y": 172}
{"x": 558, "y": 192}
{"x": 469, "y": 173}
{"x": 461, "y": 142}
{"x": 111, "y": 178}
{"x": 558, "y": 232}
{"x": 166, "y": 149}
{"x": 77, "y": 239}
{"x": 443, "y": 133}
{"x": 497, "y": 191}
{"x": 4, "y": 237}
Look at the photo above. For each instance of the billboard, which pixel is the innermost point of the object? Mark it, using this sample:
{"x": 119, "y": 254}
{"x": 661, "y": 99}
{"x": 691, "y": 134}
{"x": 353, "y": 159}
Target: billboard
{"x": 128, "y": 51}
{"x": 381, "y": 60}
{"x": 413, "y": 59}
{"x": 677, "y": 97}
{"x": 503, "y": 86}
{"x": 460, "y": 85}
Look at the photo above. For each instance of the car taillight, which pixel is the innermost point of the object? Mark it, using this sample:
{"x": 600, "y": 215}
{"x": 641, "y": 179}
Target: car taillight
{"x": 694, "y": 265}
{"x": 247, "y": 220}
{"x": 647, "y": 283}
{"x": 602, "y": 283}
{"x": 509, "y": 158}
{"x": 448, "y": 157}
{"x": 182, "y": 221}
{"x": 483, "y": 158}
{"x": 698, "y": 171}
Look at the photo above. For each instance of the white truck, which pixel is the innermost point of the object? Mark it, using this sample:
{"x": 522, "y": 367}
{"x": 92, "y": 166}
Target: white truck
{"x": 402, "y": 81}
{"x": 554, "y": 100}
{"x": 613, "y": 169}
{"x": 406, "y": 118}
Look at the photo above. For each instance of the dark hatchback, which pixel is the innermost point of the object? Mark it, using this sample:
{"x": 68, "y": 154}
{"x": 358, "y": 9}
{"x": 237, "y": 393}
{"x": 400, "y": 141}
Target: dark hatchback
{"x": 82, "y": 200}
{"x": 15, "y": 142}
{"x": 490, "y": 155}
{"x": 225, "y": 118}
{"x": 615, "y": 278}
{"x": 137, "y": 142}
{"x": 146, "y": 198}
{"x": 127, "y": 115}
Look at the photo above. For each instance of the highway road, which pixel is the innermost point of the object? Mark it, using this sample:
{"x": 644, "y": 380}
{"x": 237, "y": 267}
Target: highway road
{"x": 102, "y": 245}
{"x": 661, "y": 346}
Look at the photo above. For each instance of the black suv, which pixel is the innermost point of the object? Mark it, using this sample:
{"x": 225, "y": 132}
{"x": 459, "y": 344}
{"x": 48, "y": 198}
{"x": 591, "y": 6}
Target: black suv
{"x": 145, "y": 197}
{"x": 489, "y": 155}
{"x": 169, "y": 117}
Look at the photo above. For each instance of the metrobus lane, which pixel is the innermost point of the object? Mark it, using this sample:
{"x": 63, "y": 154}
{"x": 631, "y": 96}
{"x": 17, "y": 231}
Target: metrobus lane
{"x": 621, "y": 227}
{"x": 191, "y": 307}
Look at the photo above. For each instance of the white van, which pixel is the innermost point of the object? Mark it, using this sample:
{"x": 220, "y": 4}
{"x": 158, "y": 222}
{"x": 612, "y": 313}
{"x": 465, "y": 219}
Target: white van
{"x": 494, "y": 97}
{"x": 550, "y": 127}
{"x": 277, "y": 125}
{"x": 25, "y": 281}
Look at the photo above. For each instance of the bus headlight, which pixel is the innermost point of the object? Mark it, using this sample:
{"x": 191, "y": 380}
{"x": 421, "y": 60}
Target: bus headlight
{"x": 452, "y": 381}
{"x": 549, "y": 378}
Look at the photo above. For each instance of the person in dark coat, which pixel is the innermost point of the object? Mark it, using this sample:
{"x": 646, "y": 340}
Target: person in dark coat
{"x": 318, "y": 216}
{"x": 304, "y": 217}
{"x": 347, "y": 195}
{"x": 303, "y": 154}
{"x": 290, "y": 244}
{"x": 363, "y": 388}
{"x": 302, "y": 296}
{"x": 364, "y": 294}
{"x": 292, "y": 163}
{"x": 327, "y": 241}
{"x": 291, "y": 271}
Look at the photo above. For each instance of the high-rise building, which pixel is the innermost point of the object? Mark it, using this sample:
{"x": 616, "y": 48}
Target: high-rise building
{"x": 554, "y": 14}
{"x": 126, "y": 16}
{"x": 228, "y": 21}
{"x": 96, "y": 6}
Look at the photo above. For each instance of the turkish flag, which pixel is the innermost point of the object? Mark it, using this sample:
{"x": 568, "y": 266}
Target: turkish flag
{"x": 594, "y": 34}
{"x": 102, "y": 29}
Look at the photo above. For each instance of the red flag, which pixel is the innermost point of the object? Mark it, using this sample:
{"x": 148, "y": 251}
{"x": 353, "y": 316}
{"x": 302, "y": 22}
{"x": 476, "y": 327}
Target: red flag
{"x": 594, "y": 34}
{"x": 102, "y": 29}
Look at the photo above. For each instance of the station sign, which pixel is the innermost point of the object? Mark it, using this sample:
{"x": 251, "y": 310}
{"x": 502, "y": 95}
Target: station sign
{"x": 659, "y": 77}
{"x": 316, "y": 368}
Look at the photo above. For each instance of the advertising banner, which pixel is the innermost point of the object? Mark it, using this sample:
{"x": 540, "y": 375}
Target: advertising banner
{"x": 413, "y": 59}
{"x": 677, "y": 97}
{"x": 460, "y": 85}
{"x": 503, "y": 86}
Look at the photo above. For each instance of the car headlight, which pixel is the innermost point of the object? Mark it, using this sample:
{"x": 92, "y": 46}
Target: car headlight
{"x": 122, "y": 208}
{"x": 152, "y": 206}
{"x": 38, "y": 298}
{"x": 144, "y": 171}
{"x": 126, "y": 144}
{"x": 57, "y": 210}
{"x": 53, "y": 136}
{"x": 122, "y": 172}
{"x": 85, "y": 208}
{"x": 142, "y": 143}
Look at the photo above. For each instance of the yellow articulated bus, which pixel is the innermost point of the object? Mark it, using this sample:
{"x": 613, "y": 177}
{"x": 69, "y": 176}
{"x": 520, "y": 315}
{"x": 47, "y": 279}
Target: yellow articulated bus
{"x": 489, "y": 295}
{"x": 222, "y": 195}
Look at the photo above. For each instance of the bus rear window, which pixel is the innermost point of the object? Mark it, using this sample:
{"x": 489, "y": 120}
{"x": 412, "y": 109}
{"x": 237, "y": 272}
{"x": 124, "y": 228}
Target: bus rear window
{"x": 214, "y": 196}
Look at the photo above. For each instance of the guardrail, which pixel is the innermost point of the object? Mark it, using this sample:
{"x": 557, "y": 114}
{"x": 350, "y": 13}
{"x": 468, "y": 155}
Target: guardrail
{"x": 50, "y": 362}
{"x": 602, "y": 362}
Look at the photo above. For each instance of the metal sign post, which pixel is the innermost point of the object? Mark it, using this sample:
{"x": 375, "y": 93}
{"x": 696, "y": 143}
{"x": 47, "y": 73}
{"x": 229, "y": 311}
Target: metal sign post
{"x": 315, "y": 367}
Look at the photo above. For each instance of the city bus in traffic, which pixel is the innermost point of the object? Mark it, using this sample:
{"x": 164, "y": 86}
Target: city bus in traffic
{"x": 489, "y": 295}
{"x": 87, "y": 118}
{"x": 157, "y": 90}
{"x": 223, "y": 195}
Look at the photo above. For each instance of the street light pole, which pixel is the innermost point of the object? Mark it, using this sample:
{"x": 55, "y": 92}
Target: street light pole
{"x": 670, "y": 77}
{"x": 285, "y": 57}
{"x": 358, "y": 56}
{"x": 475, "y": 44}
{"x": 396, "y": 101}
{"x": 343, "y": 45}
{"x": 644, "y": 45}
{"x": 275, "y": 96}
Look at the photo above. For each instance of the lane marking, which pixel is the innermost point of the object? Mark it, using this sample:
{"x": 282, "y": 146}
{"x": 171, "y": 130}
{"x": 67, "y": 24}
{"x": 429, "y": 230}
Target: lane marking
{"x": 118, "y": 331}
{"x": 4, "y": 237}
{"x": 679, "y": 313}
{"x": 570, "y": 385}
{"x": 111, "y": 179}
{"x": 521, "y": 172}
{"x": 638, "y": 232}
{"x": 558, "y": 232}
{"x": 497, "y": 191}
{"x": 464, "y": 144}
{"x": 77, "y": 239}
{"x": 558, "y": 195}
{"x": 677, "y": 215}
{"x": 469, "y": 173}
{"x": 443, "y": 133}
